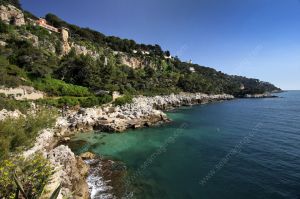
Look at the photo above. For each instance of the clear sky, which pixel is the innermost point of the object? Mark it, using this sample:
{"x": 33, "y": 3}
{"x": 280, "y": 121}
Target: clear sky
{"x": 253, "y": 38}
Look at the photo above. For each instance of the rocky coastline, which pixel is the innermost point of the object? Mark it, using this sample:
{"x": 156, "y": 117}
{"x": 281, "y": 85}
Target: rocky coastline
{"x": 72, "y": 171}
{"x": 142, "y": 112}
{"x": 259, "y": 96}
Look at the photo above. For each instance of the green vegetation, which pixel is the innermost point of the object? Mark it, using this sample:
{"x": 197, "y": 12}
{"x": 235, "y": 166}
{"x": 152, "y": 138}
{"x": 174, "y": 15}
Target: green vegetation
{"x": 77, "y": 77}
{"x": 32, "y": 174}
{"x": 123, "y": 100}
{"x": 15, "y": 134}
{"x": 11, "y": 75}
{"x": 74, "y": 101}
{"x": 32, "y": 56}
{"x": 11, "y": 105}
{"x": 56, "y": 87}
{"x": 115, "y": 43}
{"x": 16, "y": 3}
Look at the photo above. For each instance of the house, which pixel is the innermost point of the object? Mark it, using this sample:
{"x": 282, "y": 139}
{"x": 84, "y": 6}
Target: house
{"x": 43, "y": 23}
{"x": 192, "y": 69}
{"x": 168, "y": 57}
{"x": 145, "y": 52}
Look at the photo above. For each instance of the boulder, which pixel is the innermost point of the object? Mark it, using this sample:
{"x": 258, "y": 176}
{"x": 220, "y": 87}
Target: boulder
{"x": 87, "y": 156}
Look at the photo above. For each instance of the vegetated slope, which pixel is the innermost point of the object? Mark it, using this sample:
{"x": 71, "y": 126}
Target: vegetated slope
{"x": 101, "y": 65}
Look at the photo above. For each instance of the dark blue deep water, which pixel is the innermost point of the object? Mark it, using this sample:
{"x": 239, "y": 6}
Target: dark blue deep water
{"x": 245, "y": 148}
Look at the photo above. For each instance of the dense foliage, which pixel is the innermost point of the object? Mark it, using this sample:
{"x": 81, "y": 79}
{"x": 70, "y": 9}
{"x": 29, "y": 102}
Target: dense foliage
{"x": 74, "y": 101}
{"x": 56, "y": 87}
{"x": 11, "y": 75}
{"x": 23, "y": 62}
{"x": 11, "y": 105}
{"x": 16, "y": 3}
{"x": 13, "y": 139}
{"x": 33, "y": 173}
{"x": 115, "y": 43}
{"x": 123, "y": 100}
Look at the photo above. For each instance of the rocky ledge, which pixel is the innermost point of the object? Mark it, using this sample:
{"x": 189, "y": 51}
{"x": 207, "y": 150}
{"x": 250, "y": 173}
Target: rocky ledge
{"x": 143, "y": 111}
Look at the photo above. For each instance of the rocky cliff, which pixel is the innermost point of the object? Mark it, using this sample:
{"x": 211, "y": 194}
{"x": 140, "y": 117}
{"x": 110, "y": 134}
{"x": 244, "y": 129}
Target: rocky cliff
{"x": 9, "y": 14}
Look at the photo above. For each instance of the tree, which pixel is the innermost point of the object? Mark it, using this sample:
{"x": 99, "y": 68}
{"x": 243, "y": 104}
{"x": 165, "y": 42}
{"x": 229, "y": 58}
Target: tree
{"x": 15, "y": 3}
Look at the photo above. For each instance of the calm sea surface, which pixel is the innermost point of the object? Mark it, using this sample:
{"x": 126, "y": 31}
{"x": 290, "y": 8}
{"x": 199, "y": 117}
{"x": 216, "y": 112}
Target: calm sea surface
{"x": 245, "y": 148}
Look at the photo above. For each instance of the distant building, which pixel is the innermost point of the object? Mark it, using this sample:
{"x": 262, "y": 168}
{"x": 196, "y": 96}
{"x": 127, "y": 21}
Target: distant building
{"x": 43, "y": 23}
{"x": 145, "y": 52}
{"x": 190, "y": 61}
{"x": 242, "y": 87}
{"x": 192, "y": 69}
{"x": 168, "y": 57}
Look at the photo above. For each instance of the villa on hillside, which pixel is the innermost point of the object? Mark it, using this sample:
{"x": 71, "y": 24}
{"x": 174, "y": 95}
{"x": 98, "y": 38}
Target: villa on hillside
{"x": 192, "y": 69}
{"x": 43, "y": 23}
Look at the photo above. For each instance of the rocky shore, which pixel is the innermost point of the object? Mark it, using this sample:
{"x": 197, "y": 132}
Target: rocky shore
{"x": 142, "y": 112}
{"x": 72, "y": 171}
{"x": 258, "y": 96}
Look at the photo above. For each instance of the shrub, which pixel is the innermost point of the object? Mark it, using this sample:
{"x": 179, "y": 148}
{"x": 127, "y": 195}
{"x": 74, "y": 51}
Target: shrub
{"x": 55, "y": 87}
{"x": 73, "y": 101}
{"x": 70, "y": 101}
{"x": 95, "y": 101}
{"x": 33, "y": 173}
{"x": 11, "y": 105}
{"x": 11, "y": 75}
{"x": 123, "y": 100}
{"x": 13, "y": 139}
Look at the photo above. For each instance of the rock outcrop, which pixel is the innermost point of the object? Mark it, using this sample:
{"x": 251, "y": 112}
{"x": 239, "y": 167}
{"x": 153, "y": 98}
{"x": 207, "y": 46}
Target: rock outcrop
{"x": 9, "y": 14}
{"x": 133, "y": 61}
{"x": 4, "y": 114}
{"x": 71, "y": 173}
{"x": 70, "y": 170}
{"x": 66, "y": 48}
{"x": 82, "y": 50}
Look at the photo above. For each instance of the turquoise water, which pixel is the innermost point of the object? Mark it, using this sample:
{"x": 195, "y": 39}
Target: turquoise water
{"x": 265, "y": 134}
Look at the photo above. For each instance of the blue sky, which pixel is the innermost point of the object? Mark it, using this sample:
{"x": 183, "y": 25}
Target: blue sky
{"x": 253, "y": 38}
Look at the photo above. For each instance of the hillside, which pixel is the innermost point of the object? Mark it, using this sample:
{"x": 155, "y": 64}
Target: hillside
{"x": 54, "y": 56}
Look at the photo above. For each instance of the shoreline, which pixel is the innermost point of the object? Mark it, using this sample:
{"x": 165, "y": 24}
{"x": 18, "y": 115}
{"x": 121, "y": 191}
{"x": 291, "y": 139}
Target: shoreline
{"x": 71, "y": 170}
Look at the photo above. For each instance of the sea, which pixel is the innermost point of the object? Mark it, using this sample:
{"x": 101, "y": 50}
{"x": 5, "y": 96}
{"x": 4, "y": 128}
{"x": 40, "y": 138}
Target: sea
{"x": 243, "y": 148}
